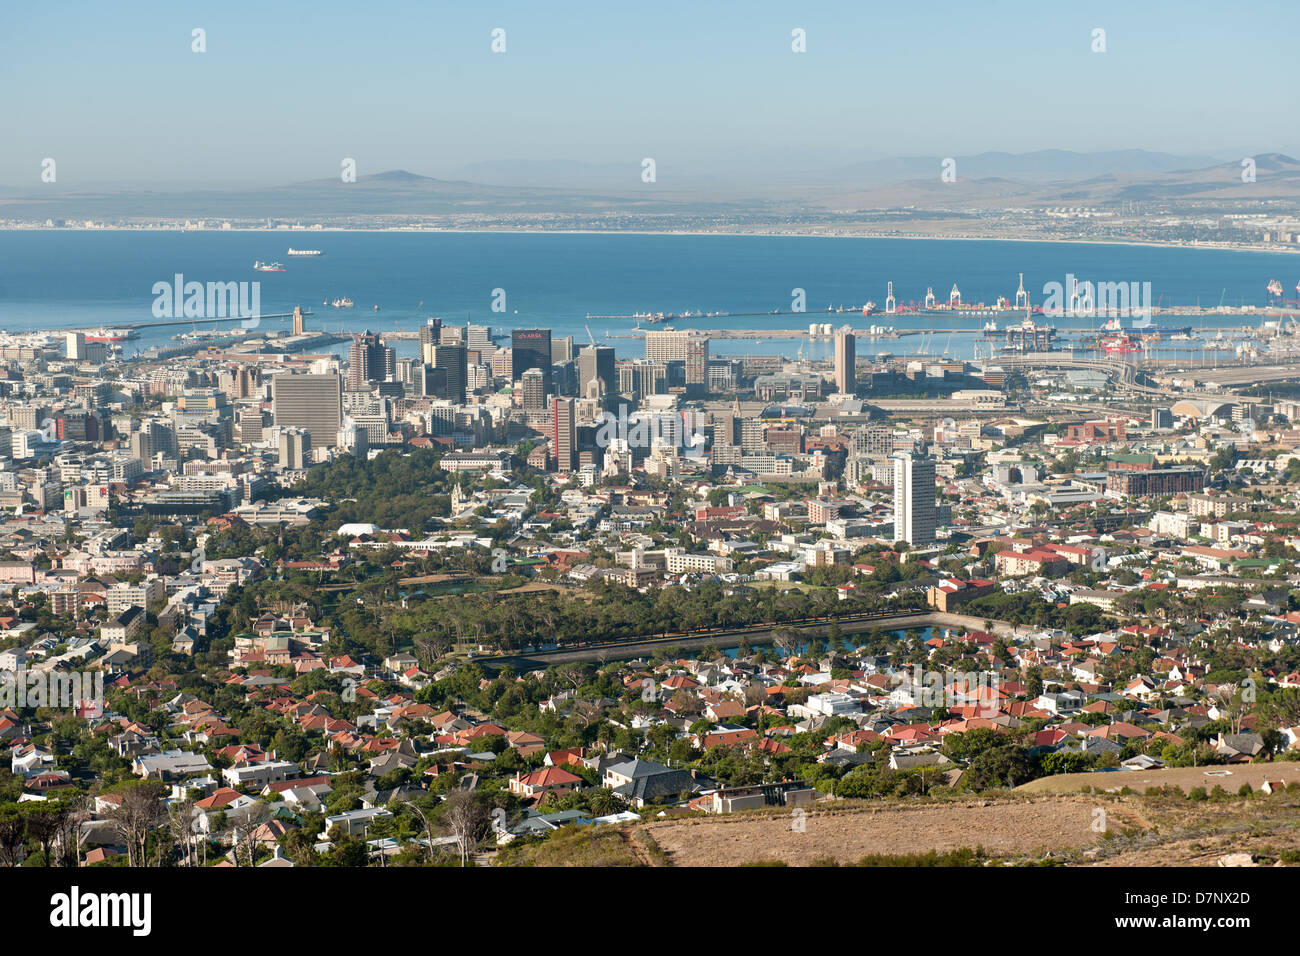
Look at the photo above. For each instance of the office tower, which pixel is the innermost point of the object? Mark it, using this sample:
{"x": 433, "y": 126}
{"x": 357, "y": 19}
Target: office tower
{"x": 313, "y": 402}
{"x": 561, "y": 349}
{"x": 76, "y": 346}
{"x": 299, "y": 321}
{"x": 500, "y": 363}
{"x": 564, "y": 437}
{"x": 666, "y": 345}
{"x": 479, "y": 337}
{"x": 295, "y": 445}
{"x": 369, "y": 361}
{"x": 597, "y": 362}
{"x": 531, "y": 348}
{"x": 915, "y": 511}
{"x": 846, "y": 362}
{"x": 250, "y": 424}
{"x": 875, "y": 441}
{"x": 430, "y": 334}
{"x": 532, "y": 386}
{"x": 451, "y": 359}
{"x": 697, "y": 363}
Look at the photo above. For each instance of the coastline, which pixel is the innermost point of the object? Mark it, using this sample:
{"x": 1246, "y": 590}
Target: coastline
{"x": 1293, "y": 249}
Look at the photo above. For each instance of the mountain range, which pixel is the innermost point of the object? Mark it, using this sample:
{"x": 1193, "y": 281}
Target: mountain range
{"x": 562, "y": 187}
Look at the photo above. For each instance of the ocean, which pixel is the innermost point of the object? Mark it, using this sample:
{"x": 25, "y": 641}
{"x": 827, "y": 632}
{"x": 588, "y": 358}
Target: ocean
{"x": 78, "y": 279}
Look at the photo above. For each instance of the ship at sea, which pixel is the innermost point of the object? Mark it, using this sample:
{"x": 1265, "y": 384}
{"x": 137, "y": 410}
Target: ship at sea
{"x": 305, "y": 252}
{"x": 340, "y": 303}
{"x": 261, "y": 266}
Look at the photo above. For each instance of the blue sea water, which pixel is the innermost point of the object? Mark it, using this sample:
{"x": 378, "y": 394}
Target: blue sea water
{"x": 63, "y": 278}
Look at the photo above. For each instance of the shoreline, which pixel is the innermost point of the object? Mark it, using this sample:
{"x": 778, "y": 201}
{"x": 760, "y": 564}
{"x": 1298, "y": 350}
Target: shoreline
{"x": 685, "y": 233}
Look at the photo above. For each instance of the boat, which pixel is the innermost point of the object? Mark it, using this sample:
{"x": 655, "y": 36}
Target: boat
{"x": 261, "y": 266}
{"x": 111, "y": 335}
{"x": 1121, "y": 343}
{"x": 305, "y": 252}
{"x": 342, "y": 303}
{"x": 1148, "y": 330}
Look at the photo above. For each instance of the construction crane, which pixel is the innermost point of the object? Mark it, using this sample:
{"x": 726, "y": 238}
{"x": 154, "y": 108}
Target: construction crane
{"x": 590, "y": 337}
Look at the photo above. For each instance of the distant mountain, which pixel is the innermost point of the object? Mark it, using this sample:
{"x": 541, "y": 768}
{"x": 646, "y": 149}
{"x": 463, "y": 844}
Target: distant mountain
{"x": 608, "y": 191}
{"x": 1045, "y": 165}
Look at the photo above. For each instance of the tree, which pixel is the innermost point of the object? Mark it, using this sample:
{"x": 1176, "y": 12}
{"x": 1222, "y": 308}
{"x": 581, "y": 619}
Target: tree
{"x": 465, "y": 816}
{"x": 141, "y": 812}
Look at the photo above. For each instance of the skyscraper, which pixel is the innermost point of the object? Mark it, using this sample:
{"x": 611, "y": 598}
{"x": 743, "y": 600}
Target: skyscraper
{"x": 564, "y": 437}
{"x": 597, "y": 362}
{"x": 295, "y": 445}
{"x": 561, "y": 349}
{"x": 531, "y": 348}
{"x": 453, "y": 359}
{"x": 532, "y": 385}
{"x": 369, "y": 360}
{"x": 697, "y": 363}
{"x": 430, "y": 335}
{"x": 313, "y": 402}
{"x": 915, "y": 511}
{"x": 846, "y": 361}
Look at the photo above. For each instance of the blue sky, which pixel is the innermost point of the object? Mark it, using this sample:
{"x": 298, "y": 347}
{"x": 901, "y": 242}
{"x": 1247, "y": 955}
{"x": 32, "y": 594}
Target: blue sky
{"x": 285, "y": 90}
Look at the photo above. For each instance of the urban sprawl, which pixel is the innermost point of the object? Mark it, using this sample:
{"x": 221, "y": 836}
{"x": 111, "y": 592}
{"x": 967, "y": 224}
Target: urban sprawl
{"x": 516, "y": 599}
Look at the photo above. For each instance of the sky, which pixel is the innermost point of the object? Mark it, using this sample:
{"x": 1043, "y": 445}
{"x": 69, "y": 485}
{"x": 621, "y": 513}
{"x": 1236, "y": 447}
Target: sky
{"x": 285, "y": 91}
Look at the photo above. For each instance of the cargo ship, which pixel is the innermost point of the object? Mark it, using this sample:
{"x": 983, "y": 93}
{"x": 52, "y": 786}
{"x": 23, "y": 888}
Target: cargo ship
{"x": 305, "y": 252}
{"x": 268, "y": 266}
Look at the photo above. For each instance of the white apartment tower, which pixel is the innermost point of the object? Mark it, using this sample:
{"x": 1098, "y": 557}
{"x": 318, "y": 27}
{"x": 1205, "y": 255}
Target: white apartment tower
{"x": 915, "y": 511}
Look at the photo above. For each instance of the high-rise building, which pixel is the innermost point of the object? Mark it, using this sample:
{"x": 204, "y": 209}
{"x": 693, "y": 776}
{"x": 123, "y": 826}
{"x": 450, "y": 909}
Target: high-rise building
{"x": 697, "y": 363}
{"x": 430, "y": 334}
{"x": 452, "y": 358}
{"x": 667, "y": 345}
{"x": 532, "y": 386}
{"x": 564, "y": 437}
{"x": 250, "y": 425}
{"x": 76, "y": 346}
{"x": 295, "y": 445}
{"x": 846, "y": 362}
{"x": 313, "y": 402}
{"x": 597, "y": 362}
{"x": 915, "y": 510}
{"x": 531, "y": 348}
{"x": 561, "y": 349}
{"x": 369, "y": 361}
